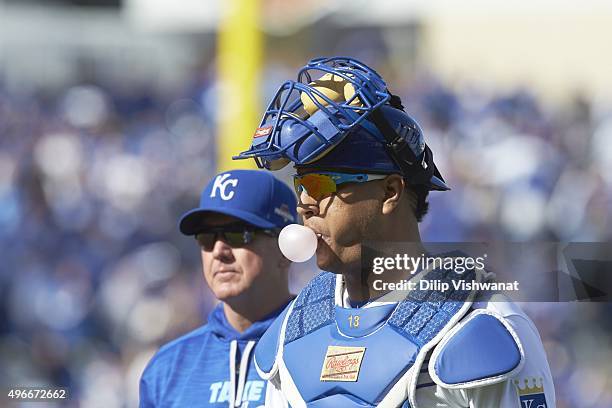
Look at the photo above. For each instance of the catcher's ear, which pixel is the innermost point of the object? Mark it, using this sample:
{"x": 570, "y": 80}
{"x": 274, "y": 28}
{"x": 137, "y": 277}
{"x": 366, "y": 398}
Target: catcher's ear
{"x": 394, "y": 190}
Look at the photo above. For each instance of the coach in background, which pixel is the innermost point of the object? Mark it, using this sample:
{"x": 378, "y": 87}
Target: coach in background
{"x": 236, "y": 227}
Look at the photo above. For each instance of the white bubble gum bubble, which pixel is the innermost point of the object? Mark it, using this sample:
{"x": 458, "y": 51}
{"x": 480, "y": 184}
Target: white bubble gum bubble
{"x": 297, "y": 242}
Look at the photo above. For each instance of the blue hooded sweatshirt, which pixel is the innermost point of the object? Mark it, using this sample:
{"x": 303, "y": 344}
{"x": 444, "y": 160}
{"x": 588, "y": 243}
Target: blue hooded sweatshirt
{"x": 211, "y": 366}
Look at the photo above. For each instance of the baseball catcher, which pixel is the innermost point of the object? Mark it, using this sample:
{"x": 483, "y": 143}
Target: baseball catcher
{"x": 363, "y": 174}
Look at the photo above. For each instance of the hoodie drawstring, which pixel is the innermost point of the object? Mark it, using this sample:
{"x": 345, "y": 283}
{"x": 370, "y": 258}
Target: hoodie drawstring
{"x": 244, "y": 365}
{"x": 232, "y": 367}
{"x": 235, "y": 399}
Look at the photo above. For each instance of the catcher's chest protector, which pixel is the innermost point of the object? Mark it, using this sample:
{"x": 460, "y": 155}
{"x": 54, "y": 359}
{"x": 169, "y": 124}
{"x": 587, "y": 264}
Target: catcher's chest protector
{"x": 329, "y": 356}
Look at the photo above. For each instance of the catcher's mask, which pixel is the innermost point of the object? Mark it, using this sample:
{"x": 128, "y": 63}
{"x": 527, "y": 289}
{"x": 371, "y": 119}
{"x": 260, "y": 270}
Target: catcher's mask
{"x": 345, "y": 118}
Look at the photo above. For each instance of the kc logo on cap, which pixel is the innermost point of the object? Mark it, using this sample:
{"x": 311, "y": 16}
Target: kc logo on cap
{"x": 221, "y": 182}
{"x": 253, "y": 196}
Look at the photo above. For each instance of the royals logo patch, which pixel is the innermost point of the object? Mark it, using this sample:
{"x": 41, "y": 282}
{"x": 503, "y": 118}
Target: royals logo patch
{"x": 531, "y": 397}
{"x": 342, "y": 363}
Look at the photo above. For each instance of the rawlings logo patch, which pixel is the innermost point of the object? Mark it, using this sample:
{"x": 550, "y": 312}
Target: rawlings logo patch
{"x": 342, "y": 363}
{"x": 263, "y": 131}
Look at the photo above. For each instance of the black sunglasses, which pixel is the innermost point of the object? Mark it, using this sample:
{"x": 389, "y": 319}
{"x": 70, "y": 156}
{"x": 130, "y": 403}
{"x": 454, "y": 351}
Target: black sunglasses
{"x": 236, "y": 235}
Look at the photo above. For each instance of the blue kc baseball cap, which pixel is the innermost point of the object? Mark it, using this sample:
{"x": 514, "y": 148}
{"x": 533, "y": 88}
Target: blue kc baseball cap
{"x": 253, "y": 196}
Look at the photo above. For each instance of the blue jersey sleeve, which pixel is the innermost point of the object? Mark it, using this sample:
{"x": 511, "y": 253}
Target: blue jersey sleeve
{"x": 146, "y": 399}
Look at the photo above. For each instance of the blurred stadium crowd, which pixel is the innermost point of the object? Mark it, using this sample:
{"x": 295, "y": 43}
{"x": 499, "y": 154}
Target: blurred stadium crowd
{"x": 94, "y": 275}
